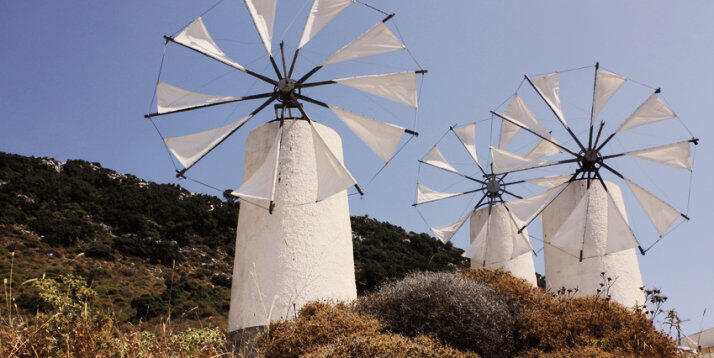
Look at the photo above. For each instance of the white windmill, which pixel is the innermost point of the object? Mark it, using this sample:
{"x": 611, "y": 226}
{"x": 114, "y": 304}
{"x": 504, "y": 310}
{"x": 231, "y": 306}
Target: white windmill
{"x": 585, "y": 226}
{"x": 495, "y": 239}
{"x": 294, "y": 242}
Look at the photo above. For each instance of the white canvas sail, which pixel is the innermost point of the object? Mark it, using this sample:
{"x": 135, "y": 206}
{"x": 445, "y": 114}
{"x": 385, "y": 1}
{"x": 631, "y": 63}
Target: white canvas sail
{"x": 619, "y": 235}
{"x": 549, "y": 87}
{"x": 477, "y": 249}
{"x": 675, "y": 155}
{"x": 195, "y": 36}
{"x": 190, "y": 148}
{"x": 170, "y": 98}
{"x": 332, "y": 176}
{"x": 426, "y": 195}
{"x": 504, "y": 162}
{"x": 382, "y": 138}
{"x": 379, "y": 39}
{"x": 263, "y": 14}
{"x": 321, "y": 13}
{"x": 261, "y": 183}
{"x": 551, "y": 181}
{"x": 525, "y": 210}
{"x": 661, "y": 214}
{"x": 572, "y": 232}
{"x": 435, "y": 158}
{"x": 399, "y": 87}
{"x": 467, "y": 137}
{"x": 519, "y": 112}
{"x": 652, "y": 110}
{"x": 606, "y": 84}
{"x": 543, "y": 149}
{"x": 445, "y": 232}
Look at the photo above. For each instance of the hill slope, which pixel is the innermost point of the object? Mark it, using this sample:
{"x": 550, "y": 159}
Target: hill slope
{"x": 147, "y": 247}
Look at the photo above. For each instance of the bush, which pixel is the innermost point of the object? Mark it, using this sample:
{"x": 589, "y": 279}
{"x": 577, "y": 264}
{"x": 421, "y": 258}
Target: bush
{"x": 388, "y": 345}
{"x": 457, "y": 310}
{"x": 317, "y": 324}
{"x": 100, "y": 251}
{"x": 558, "y": 326}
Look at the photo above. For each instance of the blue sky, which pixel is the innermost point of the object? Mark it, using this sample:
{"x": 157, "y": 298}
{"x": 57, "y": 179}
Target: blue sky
{"x": 78, "y": 76}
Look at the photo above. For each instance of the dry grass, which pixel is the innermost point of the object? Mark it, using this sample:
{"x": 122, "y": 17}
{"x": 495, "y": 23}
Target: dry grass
{"x": 557, "y": 324}
{"x": 388, "y": 346}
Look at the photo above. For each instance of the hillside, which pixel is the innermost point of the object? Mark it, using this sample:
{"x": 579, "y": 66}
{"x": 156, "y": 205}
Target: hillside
{"x": 149, "y": 248}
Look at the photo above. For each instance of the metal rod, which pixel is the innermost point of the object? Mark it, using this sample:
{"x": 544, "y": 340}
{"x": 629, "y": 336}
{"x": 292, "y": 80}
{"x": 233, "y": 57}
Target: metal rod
{"x": 479, "y": 202}
{"x": 313, "y": 101}
{"x": 457, "y": 173}
{"x": 455, "y": 196}
{"x": 241, "y": 68}
{"x": 511, "y": 194}
{"x": 515, "y": 182}
{"x": 611, "y": 170}
{"x": 409, "y": 131}
{"x": 275, "y": 67}
{"x": 388, "y": 17}
{"x": 250, "y": 116}
{"x": 533, "y": 132}
{"x": 592, "y": 107}
{"x": 606, "y": 140}
{"x": 292, "y": 65}
{"x": 451, "y": 128}
{"x": 282, "y": 53}
{"x": 599, "y": 132}
{"x": 314, "y": 84}
{"x": 566, "y": 161}
{"x": 562, "y": 121}
{"x": 307, "y": 75}
{"x": 256, "y": 96}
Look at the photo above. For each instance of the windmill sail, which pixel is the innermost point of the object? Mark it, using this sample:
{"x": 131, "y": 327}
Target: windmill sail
{"x": 571, "y": 234}
{"x": 435, "y": 158}
{"x": 190, "y": 148}
{"x": 263, "y": 14}
{"x": 261, "y": 183}
{"x": 548, "y": 87}
{"x": 332, "y": 176}
{"x": 652, "y": 110}
{"x": 504, "y": 162}
{"x": 675, "y": 155}
{"x": 467, "y": 137}
{"x": 606, "y": 84}
{"x": 379, "y": 39}
{"x": 399, "y": 87}
{"x": 543, "y": 149}
{"x": 426, "y": 195}
{"x": 660, "y": 213}
{"x": 525, "y": 210}
{"x": 321, "y": 13}
{"x": 196, "y": 37}
{"x": 519, "y": 112}
{"x": 550, "y": 182}
{"x": 619, "y": 235}
{"x": 445, "y": 232}
{"x": 170, "y": 98}
{"x": 382, "y": 138}
{"x": 477, "y": 249}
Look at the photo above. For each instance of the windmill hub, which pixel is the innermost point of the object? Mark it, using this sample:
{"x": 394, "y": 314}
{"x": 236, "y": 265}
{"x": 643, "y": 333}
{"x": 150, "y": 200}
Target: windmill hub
{"x": 589, "y": 159}
{"x": 493, "y": 187}
{"x": 286, "y": 89}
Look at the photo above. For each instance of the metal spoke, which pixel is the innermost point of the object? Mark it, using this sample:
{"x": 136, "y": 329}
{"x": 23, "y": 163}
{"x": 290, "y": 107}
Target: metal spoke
{"x": 238, "y": 99}
{"x": 180, "y": 173}
{"x": 511, "y": 194}
{"x": 292, "y": 65}
{"x": 451, "y": 128}
{"x": 455, "y": 196}
{"x": 516, "y": 123}
{"x": 457, "y": 173}
{"x": 556, "y": 115}
{"x": 275, "y": 67}
{"x": 243, "y": 69}
{"x": 566, "y": 161}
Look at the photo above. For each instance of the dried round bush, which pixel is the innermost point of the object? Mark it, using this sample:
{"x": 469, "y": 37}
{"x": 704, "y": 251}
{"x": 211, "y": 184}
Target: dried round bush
{"x": 459, "y": 311}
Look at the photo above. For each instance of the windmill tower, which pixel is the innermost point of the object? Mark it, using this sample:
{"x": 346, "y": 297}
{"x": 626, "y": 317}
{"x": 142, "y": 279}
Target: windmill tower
{"x": 294, "y": 241}
{"x": 585, "y": 226}
{"x": 495, "y": 241}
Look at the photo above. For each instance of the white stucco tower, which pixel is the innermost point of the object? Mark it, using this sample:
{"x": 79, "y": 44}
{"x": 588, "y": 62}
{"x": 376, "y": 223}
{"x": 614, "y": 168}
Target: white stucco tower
{"x": 564, "y": 269}
{"x": 501, "y": 242}
{"x": 303, "y": 250}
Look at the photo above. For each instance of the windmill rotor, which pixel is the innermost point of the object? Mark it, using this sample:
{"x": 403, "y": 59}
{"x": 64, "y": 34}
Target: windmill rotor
{"x": 289, "y": 94}
{"x": 491, "y": 223}
{"x": 587, "y": 157}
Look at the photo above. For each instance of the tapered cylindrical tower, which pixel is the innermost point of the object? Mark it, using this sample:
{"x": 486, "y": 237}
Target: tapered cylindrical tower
{"x": 303, "y": 250}
{"x": 502, "y": 240}
{"x": 563, "y": 268}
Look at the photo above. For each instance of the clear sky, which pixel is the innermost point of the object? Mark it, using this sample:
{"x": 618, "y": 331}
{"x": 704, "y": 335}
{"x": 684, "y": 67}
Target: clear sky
{"x": 78, "y": 76}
